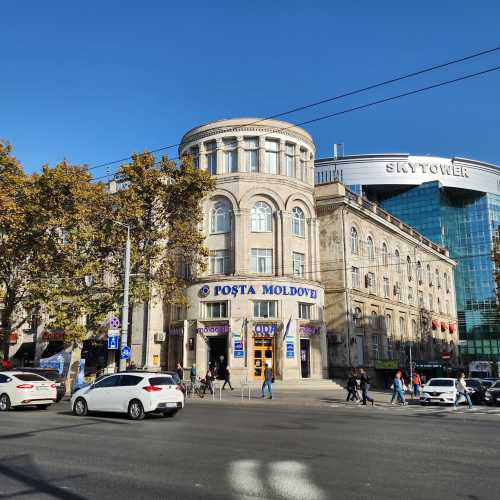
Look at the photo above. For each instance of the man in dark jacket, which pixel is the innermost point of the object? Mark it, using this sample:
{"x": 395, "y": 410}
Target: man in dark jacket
{"x": 365, "y": 387}
{"x": 268, "y": 381}
{"x": 352, "y": 387}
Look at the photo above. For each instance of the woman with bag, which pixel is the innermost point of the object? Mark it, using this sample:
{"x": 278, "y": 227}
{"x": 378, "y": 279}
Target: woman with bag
{"x": 398, "y": 388}
{"x": 462, "y": 391}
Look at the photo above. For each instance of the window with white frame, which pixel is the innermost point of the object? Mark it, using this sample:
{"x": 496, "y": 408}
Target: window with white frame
{"x": 252, "y": 154}
{"x": 298, "y": 222}
{"x": 211, "y": 155}
{"x": 355, "y": 277}
{"x": 388, "y": 324}
{"x": 402, "y": 327}
{"x": 272, "y": 157}
{"x": 354, "y": 241}
{"x": 303, "y": 164}
{"x": 298, "y": 262}
{"x": 384, "y": 254}
{"x": 230, "y": 156}
{"x": 371, "y": 282}
{"x": 376, "y": 346}
{"x": 219, "y": 262}
{"x": 386, "y": 287}
{"x": 265, "y": 309}
{"x": 262, "y": 260}
{"x": 220, "y": 218}
{"x": 215, "y": 310}
{"x": 262, "y": 218}
{"x": 370, "y": 248}
{"x": 195, "y": 154}
{"x": 305, "y": 311}
{"x": 290, "y": 160}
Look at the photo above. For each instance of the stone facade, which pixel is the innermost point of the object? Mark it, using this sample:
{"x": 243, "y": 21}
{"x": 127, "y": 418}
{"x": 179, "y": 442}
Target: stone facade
{"x": 389, "y": 292}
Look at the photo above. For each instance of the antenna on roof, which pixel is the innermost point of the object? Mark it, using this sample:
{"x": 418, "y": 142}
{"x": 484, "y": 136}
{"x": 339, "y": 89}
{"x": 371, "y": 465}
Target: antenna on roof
{"x": 336, "y": 147}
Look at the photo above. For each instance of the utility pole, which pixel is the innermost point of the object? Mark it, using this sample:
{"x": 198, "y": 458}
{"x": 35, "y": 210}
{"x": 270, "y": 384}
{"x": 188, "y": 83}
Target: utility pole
{"x": 124, "y": 336}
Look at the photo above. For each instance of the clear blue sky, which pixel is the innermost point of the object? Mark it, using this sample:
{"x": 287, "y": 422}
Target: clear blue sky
{"x": 96, "y": 80}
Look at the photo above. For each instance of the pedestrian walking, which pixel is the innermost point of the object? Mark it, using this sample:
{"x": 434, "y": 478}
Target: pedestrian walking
{"x": 365, "y": 387}
{"x": 417, "y": 383}
{"x": 227, "y": 378}
{"x": 462, "y": 390}
{"x": 352, "y": 387}
{"x": 209, "y": 378}
{"x": 192, "y": 374}
{"x": 180, "y": 371}
{"x": 268, "y": 381}
{"x": 398, "y": 388}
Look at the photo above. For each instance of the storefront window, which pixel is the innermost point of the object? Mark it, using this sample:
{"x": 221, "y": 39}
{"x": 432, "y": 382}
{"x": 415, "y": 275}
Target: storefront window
{"x": 216, "y": 310}
{"x": 264, "y": 309}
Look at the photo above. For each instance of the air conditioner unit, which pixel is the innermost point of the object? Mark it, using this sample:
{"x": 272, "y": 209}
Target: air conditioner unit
{"x": 160, "y": 337}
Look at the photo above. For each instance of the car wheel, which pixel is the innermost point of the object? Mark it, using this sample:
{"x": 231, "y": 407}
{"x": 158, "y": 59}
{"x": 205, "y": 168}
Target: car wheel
{"x": 135, "y": 410}
{"x": 4, "y": 402}
{"x": 42, "y": 407}
{"x": 169, "y": 414}
{"x": 80, "y": 407}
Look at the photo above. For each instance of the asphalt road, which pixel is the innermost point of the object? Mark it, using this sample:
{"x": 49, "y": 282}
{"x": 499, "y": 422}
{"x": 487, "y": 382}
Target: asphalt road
{"x": 293, "y": 447}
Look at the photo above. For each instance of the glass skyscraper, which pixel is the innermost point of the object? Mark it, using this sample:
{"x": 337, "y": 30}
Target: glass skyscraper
{"x": 453, "y": 202}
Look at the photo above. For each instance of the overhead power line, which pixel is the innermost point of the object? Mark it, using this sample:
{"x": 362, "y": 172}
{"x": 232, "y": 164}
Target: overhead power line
{"x": 366, "y": 105}
{"x": 331, "y": 99}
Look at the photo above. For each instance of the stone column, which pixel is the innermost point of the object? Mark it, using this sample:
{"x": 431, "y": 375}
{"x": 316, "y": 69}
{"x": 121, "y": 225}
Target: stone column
{"x": 280, "y": 241}
{"x": 240, "y": 154}
{"x": 241, "y": 259}
{"x": 286, "y": 250}
{"x": 281, "y": 157}
{"x": 202, "y": 159}
{"x": 220, "y": 156}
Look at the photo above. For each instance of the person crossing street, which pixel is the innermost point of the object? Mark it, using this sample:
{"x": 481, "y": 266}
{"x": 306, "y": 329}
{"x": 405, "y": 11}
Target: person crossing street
{"x": 365, "y": 387}
{"x": 268, "y": 381}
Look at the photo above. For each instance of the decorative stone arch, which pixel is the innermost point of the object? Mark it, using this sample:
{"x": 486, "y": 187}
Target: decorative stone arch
{"x": 224, "y": 193}
{"x": 301, "y": 202}
{"x": 248, "y": 199}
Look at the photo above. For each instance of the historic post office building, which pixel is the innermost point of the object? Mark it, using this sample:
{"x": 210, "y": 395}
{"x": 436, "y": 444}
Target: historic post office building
{"x": 260, "y": 300}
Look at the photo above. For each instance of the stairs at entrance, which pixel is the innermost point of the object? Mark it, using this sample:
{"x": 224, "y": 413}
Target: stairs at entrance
{"x": 304, "y": 385}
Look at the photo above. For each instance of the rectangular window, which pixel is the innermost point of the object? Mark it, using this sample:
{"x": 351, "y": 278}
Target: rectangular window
{"x": 289, "y": 160}
{"x": 195, "y": 153}
{"x": 178, "y": 313}
{"x": 262, "y": 260}
{"x": 355, "y": 277}
{"x": 305, "y": 310}
{"x": 272, "y": 157}
{"x": 264, "y": 309}
{"x": 211, "y": 149}
{"x": 397, "y": 292}
{"x": 390, "y": 348}
{"x": 298, "y": 264}
{"x": 376, "y": 346}
{"x": 303, "y": 163}
{"x": 215, "y": 310}
{"x": 371, "y": 282}
{"x": 386, "y": 286}
{"x": 230, "y": 157}
{"x": 420, "y": 299}
{"x": 410, "y": 295}
{"x": 252, "y": 154}
{"x": 218, "y": 262}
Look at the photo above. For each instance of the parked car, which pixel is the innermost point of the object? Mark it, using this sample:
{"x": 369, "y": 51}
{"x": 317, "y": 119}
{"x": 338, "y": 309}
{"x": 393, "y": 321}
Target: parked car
{"x": 492, "y": 395}
{"x": 439, "y": 390}
{"x": 476, "y": 389}
{"x": 25, "y": 389}
{"x": 50, "y": 374}
{"x": 134, "y": 393}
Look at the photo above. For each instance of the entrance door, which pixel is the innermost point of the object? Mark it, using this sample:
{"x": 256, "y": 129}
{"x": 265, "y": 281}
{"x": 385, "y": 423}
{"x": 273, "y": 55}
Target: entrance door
{"x": 305, "y": 358}
{"x": 263, "y": 353}
{"x": 217, "y": 354}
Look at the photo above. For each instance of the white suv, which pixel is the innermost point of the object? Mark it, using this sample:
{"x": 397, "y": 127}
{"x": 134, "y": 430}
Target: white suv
{"x": 440, "y": 390}
{"x": 134, "y": 393}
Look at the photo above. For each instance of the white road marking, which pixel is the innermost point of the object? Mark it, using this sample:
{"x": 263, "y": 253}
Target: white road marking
{"x": 245, "y": 480}
{"x": 290, "y": 480}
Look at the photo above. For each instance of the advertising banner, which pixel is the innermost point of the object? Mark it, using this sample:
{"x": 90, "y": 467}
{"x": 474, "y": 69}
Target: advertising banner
{"x": 59, "y": 362}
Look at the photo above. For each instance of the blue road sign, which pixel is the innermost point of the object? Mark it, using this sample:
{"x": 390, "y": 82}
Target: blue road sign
{"x": 125, "y": 352}
{"x": 113, "y": 342}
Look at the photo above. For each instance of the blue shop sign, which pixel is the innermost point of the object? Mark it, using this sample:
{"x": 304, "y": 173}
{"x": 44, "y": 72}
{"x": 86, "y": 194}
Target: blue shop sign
{"x": 290, "y": 350}
{"x": 244, "y": 289}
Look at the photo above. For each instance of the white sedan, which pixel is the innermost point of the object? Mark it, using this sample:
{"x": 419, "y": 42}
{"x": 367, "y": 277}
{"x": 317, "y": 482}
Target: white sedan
{"x": 135, "y": 393}
{"x": 440, "y": 390}
{"x": 25, "y": 389}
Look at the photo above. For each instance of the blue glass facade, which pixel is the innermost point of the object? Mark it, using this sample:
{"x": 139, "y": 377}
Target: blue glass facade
{"x": 465, "y": 222}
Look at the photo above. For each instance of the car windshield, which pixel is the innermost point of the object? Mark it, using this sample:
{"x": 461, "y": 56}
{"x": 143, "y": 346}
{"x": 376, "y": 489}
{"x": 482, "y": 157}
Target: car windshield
{"x": 29, "y": 377}
{"x": 162, "y": 381}
{"x": 442, "y": 382}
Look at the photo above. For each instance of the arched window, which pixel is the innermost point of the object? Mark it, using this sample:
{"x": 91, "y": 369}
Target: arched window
{"x": 419, "y": 272}
{"x": 220, "y": 218}
{"x": 358, "y": 316}
{"x": 370, "y": 248}
{"x": 262, "y": 218}
{"x": 397, "y": 261}
{"x": 385, "y": 254}
{"x": 298, "y": 222}
{"x": 354, "y": 241}
{"x": 438, "y": 279}
{"x": 388, "y": 324}
{"x": 402, "y": 328}
{"x": 373, "y": 320}
{"x": 429, "y": 275}
{"x": 408, "y": 267}
{"x": 445, "y": 277}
